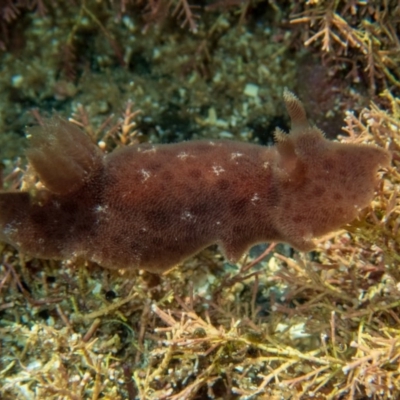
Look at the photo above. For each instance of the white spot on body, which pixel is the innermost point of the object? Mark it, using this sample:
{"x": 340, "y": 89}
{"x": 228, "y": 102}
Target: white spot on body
{"x": 100, "y": 209}
{"x": 217, "y": 169}
{"x": 255, "y": 199}
{"x": 236, "y": 155}
{"x": 188, "y": 216}
{"x": 183, "y": 155}
{"x": 145, "y": 175}
{"x": 10, "y": 230}
{"x": 150, "y": 150}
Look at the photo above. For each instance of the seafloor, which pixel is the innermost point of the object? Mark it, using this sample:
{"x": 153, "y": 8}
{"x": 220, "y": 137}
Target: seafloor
{"x": 278, "y": 325}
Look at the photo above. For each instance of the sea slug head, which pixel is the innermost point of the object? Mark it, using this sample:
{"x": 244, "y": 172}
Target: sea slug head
{"x": 324, "y": 183}
{"x": 351, "y": 169}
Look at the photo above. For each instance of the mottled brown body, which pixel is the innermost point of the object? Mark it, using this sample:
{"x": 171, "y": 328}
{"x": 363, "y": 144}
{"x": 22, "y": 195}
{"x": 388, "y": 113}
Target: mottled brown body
{"x": 153, "y": 206}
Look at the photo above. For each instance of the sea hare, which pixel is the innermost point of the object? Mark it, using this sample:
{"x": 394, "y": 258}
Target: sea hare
{"x": 153, "y": 206}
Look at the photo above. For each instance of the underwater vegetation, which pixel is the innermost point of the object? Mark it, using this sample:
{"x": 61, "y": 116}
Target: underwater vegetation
{"x": 276, "y": 324}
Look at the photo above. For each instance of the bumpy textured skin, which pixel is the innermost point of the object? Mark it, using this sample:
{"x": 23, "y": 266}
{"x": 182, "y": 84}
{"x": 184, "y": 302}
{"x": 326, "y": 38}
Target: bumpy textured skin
{"x": 153, "y": 206}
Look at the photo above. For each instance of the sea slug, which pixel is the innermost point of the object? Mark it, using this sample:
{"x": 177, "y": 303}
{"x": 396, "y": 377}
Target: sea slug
{"x": 153, "y": 206}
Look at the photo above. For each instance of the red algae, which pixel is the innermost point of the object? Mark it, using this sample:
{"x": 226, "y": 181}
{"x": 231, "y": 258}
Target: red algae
{"x": 153, "y": 206}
